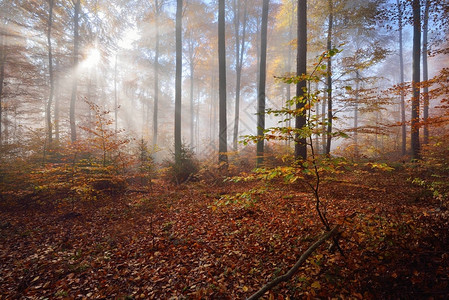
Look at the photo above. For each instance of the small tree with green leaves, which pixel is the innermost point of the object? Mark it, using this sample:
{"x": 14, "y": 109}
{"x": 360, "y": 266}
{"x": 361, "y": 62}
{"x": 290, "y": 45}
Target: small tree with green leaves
{"x": 145, "y": 162}
{"x": 308, "y": 172}
{"x": 182, "y": 168}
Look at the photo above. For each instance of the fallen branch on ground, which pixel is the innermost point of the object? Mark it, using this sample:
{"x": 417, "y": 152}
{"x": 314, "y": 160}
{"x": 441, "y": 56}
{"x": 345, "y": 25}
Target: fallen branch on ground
{"x": 295, "y": 268}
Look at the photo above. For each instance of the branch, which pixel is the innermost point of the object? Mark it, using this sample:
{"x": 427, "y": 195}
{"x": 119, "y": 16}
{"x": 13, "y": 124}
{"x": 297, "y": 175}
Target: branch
{"x": 295, "y": 268}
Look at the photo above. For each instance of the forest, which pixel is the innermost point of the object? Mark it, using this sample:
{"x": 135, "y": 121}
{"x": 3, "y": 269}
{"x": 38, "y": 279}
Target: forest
{"x": 224, "y": 149}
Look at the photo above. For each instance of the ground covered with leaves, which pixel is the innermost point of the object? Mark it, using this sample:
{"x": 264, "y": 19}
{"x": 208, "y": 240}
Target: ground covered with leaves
{"x": 194, "y": 241}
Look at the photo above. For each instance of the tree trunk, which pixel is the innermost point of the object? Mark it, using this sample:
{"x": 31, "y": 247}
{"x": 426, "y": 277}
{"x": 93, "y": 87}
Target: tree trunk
{"x": 317, "y": 124}
{"x": 222, "y": 146}
{"x": 212, "y": 110}
{"x": 50, "y": 71}
{"x": 289, "y": 69}
{"x": 239, "y": 51}
{"x": 356, "y": 114}
{"x": 178, "y": 81}
{"x": 192, "y": 114}
{"x": 156, "y": 79}
{"x": 262, "y": 83}
{"x": 56, "y": 112}
{"x": 301, "y": 69}
{"x": 75, "y": 65}
{"x": 2, "y": 78}
{"x": 416, "y": 78}
{"x": 425, "y": 73}
{"x": 115, "y": 94}
{"x": 323, "y": 125}
{"x": 329, "y": 79}
{"x": 401, "y": 66}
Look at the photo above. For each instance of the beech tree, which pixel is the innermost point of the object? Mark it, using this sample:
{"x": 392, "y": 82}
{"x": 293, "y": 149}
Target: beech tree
{"x": 158, "y": 8}
{"x": 330, "y": 115}
{"x": 425, "y": 74}
{"x": 240, "y": 43}
{"x": 415, "y": 143}
{"x": 401, "y": 70}
{"x": 178, "y": 81}
{"x": 301, "y": 69}
{"x": 262, "y": 82}
{"x": 50, "y": 70}
{"x": 222, "y": 146}
{"x": 77, "y": 8}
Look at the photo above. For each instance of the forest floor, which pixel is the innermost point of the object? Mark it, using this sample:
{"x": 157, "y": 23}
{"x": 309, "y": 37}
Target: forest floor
{"x": 179, "y": 243}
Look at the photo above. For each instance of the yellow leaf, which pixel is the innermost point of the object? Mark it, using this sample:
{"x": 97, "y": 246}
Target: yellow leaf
{"x": 316, "y": 285}
{"x": 245, "y": 289}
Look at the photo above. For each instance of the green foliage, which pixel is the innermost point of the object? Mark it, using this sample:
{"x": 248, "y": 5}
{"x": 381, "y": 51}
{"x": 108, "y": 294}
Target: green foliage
{"x": 308, "y": 172}
{"x": 181, "y": 169}
{"x": 433, "y": 170}
{"x": 245, "y": 199}
{"x": 289, "y": 111}
{"x": 145, "y": 163}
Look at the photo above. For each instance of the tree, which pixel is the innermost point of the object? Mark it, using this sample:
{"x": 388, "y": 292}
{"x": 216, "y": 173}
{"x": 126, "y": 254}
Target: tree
{"x": 415, "y": 144}
{"x": 222, "y": 146}
{"x": 301, "y": 69}
{"x": 77, "y": 9}
{"x": 262, "y": 83}
{"x": 50, "y": 70}
{"x": 330, "y": 115}
{"x": 239, "y": 53}
{"x": 195, "y": 16}
{"x": 2, "y": 77}
{"x": 425, "y": 72}
{"x": 178, "y": 81}
{"x": 401, "y": 67}
{"x": 158, "y": 8}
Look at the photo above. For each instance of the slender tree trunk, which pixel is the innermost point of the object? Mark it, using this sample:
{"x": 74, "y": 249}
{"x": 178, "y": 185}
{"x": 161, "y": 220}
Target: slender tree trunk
{"x": 178, "y": 81}
{"x": 425, "y": 73}
{"x": 156, "y": 79}
{"x": 301, "y": 69}
{"x": 329, "y": 79}
{"x": 239, "y": 51}
{"x": 222, "y": 146}
{"x": 115, "y": 94}
{"x": 257, "y": 33}
{"x": 236, "y": 11}
{"x": 262, "y": 83}
{"x": 148, "y": 114}
{"x": 289, "y": 68}
{"x": 212, "y": 116}
{"x": 2, "y": 78}
{"x": 197, "y": 122}
{"x": 416, "y": 78}
{"x": 330, "y": 115}
{"x": 192, "y": 114}
{"x": 75, "y": 65}
{"x": 401, "y": 66}
{"x": 317, "y": 124}
{"x": 90, "y": 100}
{"x": 50, "y": 71}
{"x": 356, "y": 113}
{"x": 56, "y": 112}
{"x": 323, "y": 125}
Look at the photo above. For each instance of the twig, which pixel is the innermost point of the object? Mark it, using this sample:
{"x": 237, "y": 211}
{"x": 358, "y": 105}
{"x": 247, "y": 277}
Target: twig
{"x": 295, "y": 268}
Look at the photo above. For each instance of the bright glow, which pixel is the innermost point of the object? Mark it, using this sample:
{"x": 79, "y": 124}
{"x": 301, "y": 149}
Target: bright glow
{"x": 129, "y": 37}
{"x": 93, "y": 57}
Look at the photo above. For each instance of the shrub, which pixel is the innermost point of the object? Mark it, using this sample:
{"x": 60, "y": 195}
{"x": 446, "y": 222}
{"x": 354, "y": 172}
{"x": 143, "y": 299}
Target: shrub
{"x": 182, "y": 171}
